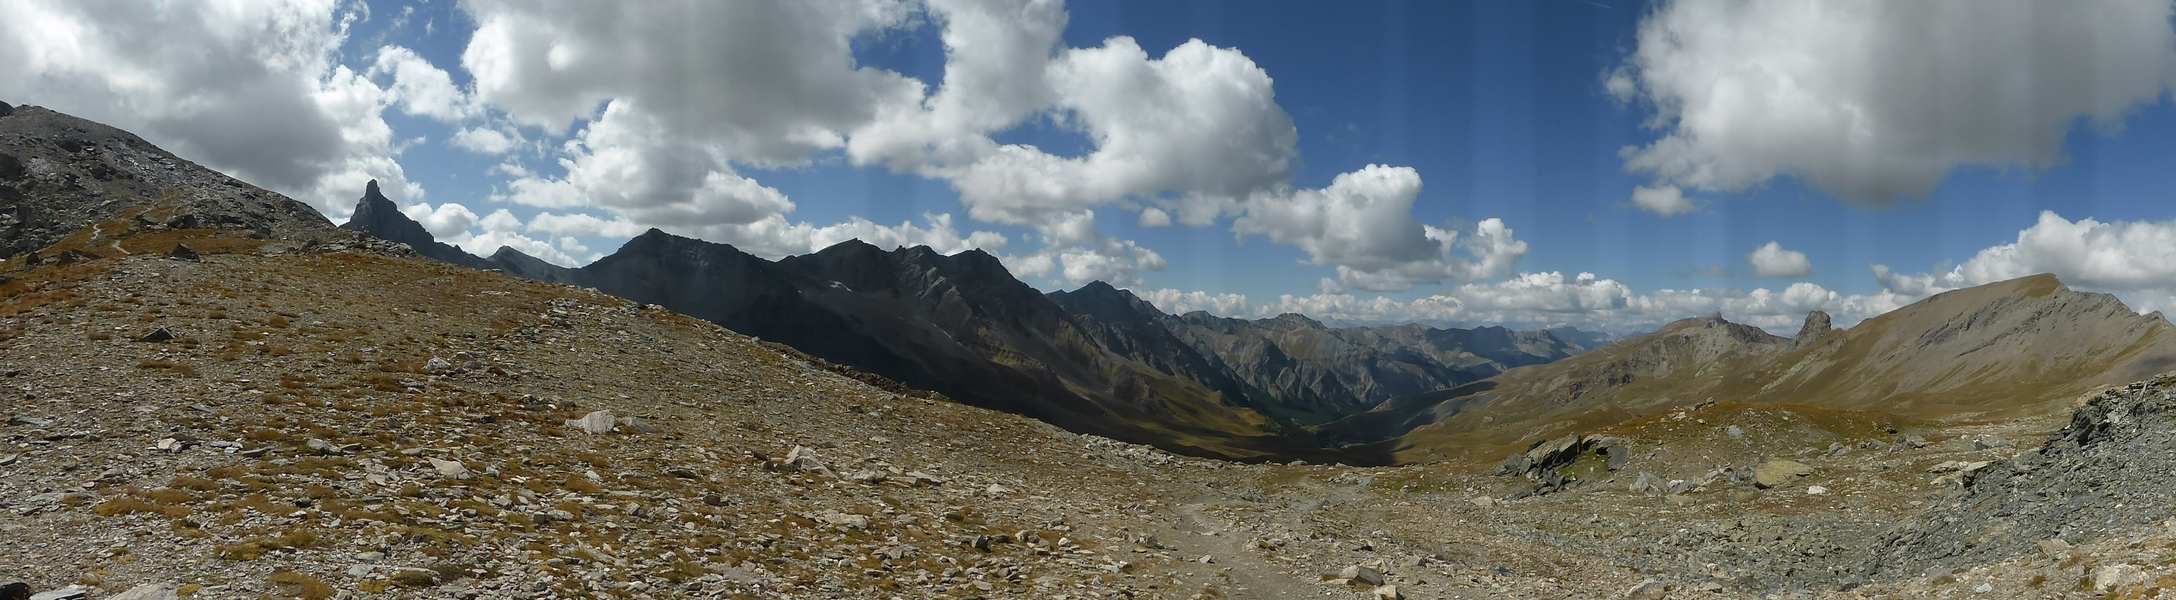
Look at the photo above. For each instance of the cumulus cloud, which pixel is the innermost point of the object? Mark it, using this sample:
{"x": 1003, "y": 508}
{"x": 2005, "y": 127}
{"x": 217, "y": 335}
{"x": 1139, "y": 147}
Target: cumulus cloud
{"x": 1667, "y": 201}
{"x": 633, "y": 163}
{"x": 501, "y": 220}
{"x": 1179, "y": 302}
{"x": 1554, "y": 299}
{"x": 483, "y": 141}
{"x": 1771, "y": 260}
{"x": 251, "y": 89}
{"x": 769, "y": 81}
{"x": 443, "y": 221}
{"x": 488, "y": 242}
{"x": 1874, "y": 101}
{"x": 1155, "y": 217}
{"x": 1191, "y": 135}
{"x": 2136, "y": 258}
{"x": 1074, "y": 253}
{"x": 1363, "y": 225}
{"x": 419, "y": 87}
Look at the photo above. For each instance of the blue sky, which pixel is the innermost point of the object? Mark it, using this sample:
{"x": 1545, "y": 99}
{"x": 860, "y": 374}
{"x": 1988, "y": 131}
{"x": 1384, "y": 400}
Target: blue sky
{"x": 1542, "y": 117}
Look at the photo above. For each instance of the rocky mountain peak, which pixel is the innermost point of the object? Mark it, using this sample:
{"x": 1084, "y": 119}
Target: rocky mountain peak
{"x": 1817, "y": 326}
{"x": 6, "y": 110}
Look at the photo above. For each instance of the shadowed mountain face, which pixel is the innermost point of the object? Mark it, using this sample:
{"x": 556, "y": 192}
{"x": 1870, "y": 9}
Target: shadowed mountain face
{"x": 2003, "y": 349}
{"x": 378, "y": 216}
{"x": 60, "y": 174}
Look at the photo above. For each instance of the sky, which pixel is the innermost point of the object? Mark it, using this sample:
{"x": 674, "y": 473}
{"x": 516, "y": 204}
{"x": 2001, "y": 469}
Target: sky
{"x": 1604, "y": 164}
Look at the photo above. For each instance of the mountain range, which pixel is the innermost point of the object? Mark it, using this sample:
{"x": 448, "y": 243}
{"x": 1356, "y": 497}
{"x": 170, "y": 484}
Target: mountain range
{"x": 1097, "y": 359}
{"x": 1101, "y": 360}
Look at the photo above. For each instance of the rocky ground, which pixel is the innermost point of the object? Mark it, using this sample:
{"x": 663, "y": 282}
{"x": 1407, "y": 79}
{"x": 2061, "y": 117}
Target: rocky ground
{"x": 266, "y": 421}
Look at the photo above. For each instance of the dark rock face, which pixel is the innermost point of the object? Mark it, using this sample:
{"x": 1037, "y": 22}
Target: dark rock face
{"x": 60, "y": 174}
{"x": 2108, "y": 471}
{"x": 379, "y": 217}
{"x": 6, "y": 110}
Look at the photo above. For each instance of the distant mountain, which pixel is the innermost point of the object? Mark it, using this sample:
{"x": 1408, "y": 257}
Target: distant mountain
{"x": 60, "y": 174}
{"x": 960, "y": 325}
{"x": 1299, "y": 369}
{"x": 2000, "y": 349}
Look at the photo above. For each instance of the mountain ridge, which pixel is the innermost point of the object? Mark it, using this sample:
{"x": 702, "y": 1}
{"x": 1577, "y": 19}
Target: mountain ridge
{"x": 2010, "y": 348}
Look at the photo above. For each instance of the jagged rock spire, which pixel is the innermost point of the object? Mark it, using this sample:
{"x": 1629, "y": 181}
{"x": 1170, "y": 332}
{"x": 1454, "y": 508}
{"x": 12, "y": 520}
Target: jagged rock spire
{"x": 1817, "y": 325}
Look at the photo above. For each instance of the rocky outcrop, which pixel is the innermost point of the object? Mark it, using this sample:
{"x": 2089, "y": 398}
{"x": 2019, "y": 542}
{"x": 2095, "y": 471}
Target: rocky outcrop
{"x": 2108, "y": 471}
{"x": 1550, "y": 462}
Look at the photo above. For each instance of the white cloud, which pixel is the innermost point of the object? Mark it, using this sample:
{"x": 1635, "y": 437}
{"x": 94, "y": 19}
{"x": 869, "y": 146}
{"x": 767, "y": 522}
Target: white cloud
{"x": 421, "y": 88}
{"x": 1552, "y": 299}
{"x": 488, "y": 243}
{"x": 1074, "y": 253}
{"x": 444, "y": 221}
{"x": 1363, "y": 225}
{"x": 766, "y": 82}
{"x": 501, "y": 220}
{"x": 1198, "y": 125}
{"x": 1667, "y": 201}
{"x": 1874, "y": 101}
{"x": 584, "y": 225}
{"x": 1771, "y": 260}
{"x": 633, "y": 163}
{"x": 1179, "y": 302}
{"x": 248, "y": 88}
{"x": 483, "y": 141}
{"x": 2134, "y": 258}
{"x": 1192, "y": 135}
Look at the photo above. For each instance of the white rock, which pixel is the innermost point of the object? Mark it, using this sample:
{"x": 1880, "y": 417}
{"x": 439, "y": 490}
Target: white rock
{"x": 437, "y": 365}
{"x": 2115, "y": 576}
{"x": 148, "y": 591}
{"x": 1388, "y": 592}
{"x": 450, "y": 468}
{"x": 73, "y": 592}
{"x": 1361, "y": 574}
{"x": 596, "y": 423}
{"x": 1815, "y": 490}
{"x": 850, "y": 521}
{"x": 1647, "y": 590}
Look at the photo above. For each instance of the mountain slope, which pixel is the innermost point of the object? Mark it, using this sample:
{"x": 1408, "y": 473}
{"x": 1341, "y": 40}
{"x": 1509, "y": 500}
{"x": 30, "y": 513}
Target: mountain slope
{"x": 60, "y": 174}
{"x": 2003, "y": 349}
